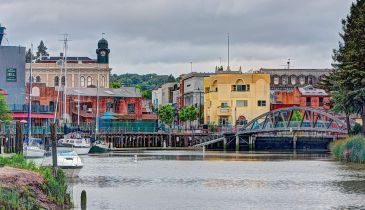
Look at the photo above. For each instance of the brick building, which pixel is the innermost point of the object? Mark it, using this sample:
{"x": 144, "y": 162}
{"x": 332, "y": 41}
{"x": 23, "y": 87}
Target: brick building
{"x": 307, "y": 96}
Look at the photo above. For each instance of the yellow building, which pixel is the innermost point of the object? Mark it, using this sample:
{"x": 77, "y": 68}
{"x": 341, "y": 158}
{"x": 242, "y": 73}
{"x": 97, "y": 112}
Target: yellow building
{"x": 232, "y": 98}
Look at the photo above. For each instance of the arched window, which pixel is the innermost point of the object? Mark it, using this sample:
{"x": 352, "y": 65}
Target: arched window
{"x": 38, "y": 79}
{"x": 311, "y": 79}
{"x": 82, "y": 81}
{"x": 214, "y": 87}
{"x": 284, "y": 80}
{"x": 276, "y": 80}
{"x": 293, "y": 79}
{"x": 102, "y": 81}
{"x": 56, "y": 81}
{"x": 89, "y": 81}
{"x": 302, "y": 80}
{"x": 35, "y": 91}
{"x": 63, "y": 80}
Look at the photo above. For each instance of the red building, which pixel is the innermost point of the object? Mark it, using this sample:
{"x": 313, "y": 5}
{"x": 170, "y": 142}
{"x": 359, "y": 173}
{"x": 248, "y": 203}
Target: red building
{"x": 125, "y": 103}
{"x": 307, "y": 96}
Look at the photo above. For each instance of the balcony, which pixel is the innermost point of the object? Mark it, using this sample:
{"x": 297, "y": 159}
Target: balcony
{"x": 224, "y": 111}
{"x": 35, "y": 108}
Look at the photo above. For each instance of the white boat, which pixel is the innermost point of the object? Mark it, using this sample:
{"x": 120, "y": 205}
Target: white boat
{"x": 70, "y": 163}
{"x": 76, "y": 143}
{"x": 33, "y": 149}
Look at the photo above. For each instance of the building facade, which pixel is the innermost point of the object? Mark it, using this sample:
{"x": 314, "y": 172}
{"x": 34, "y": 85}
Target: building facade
{"x": 165, "y": 94}
{"x": 234, "y": 98}
{"x": 12, "y": 68}
{"x": 288, "y": 79}
{"x": 307, "y": 96}
{"x": 81, "y": 71}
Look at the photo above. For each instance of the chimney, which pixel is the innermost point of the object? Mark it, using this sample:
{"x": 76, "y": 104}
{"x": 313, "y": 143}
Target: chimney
{"x": 2, "y": 33}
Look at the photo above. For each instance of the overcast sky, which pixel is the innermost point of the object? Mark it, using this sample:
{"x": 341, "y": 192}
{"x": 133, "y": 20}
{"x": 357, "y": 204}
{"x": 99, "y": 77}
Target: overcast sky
{"x": 164, "y": 36}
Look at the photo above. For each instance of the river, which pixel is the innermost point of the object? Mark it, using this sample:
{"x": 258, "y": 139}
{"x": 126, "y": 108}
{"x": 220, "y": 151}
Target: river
{"x": 217, "y": 180}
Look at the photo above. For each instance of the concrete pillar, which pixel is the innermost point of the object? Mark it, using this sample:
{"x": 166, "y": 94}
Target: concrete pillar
{"x": 251, "y": 142}
{"x": 295, "y": 138}
{"x": 224, "y": 143}
{"x": 237, "y": 142}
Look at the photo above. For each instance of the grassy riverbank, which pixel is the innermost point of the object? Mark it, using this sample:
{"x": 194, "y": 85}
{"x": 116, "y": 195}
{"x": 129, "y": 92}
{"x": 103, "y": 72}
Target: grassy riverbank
{"x": 352, "y": 149}
{"x": 23, "y": 185}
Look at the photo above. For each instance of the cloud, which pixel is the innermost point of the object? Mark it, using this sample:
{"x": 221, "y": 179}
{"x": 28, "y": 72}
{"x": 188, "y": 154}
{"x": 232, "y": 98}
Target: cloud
{"x": 164, "y": 36}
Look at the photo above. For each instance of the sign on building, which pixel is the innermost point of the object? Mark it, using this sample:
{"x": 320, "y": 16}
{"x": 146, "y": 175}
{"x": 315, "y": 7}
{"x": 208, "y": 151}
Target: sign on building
{"x": 11, "y": 74}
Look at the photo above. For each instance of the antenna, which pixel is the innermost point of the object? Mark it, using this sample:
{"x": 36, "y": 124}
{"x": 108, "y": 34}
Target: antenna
{"x": 288, "y": 63}
{"x": 228, "y": 68}
{"x": 102, "y": 35}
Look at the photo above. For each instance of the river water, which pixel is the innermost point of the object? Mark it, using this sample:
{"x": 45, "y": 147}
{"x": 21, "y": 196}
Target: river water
{"x": 217, "y": 180}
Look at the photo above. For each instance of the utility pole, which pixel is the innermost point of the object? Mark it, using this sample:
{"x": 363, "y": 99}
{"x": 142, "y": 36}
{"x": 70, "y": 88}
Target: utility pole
{"x": 191, "y": 66}
{"x": 65, "y": 40}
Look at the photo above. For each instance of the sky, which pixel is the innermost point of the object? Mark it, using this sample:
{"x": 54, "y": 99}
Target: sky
{"x": 165, "y": 36}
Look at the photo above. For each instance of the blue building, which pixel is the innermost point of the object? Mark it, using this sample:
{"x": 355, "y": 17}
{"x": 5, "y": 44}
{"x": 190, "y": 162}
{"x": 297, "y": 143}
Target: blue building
{"x": 12, "y": 71}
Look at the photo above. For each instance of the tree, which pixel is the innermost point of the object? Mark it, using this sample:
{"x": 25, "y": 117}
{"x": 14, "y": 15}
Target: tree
{"x": 167, "y": 114}
{"x": 115, "y": 85}
{"x": 5, "y": 114}
{"x": 29, "y": 56}
{"x": 347, "y": 82}
{"x": 188, "y": 113}
{"x": 42, "y": 50}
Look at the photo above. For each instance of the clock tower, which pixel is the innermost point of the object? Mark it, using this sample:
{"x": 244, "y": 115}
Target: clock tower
{"x": 103, "y": 51}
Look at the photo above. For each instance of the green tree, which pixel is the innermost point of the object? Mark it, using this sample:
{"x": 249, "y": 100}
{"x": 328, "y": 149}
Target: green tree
{"x": 5, "y": 114}
{"x": 167, "y": 114}
{"x": 42, "y": 50}
{"x": 115, "y": 85}
{"x": 147, "y": 94}
{"x": 188, "y": 113}
{"x": 28, "y": 56}
{"x": 347, "y": 82}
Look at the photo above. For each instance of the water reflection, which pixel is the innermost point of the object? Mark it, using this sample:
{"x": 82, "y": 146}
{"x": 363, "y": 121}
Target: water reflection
{"x": 214, "y": 180}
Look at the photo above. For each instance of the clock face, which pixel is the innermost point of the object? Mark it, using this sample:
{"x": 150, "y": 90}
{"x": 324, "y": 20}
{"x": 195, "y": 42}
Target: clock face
{"x": 102, "y": 53}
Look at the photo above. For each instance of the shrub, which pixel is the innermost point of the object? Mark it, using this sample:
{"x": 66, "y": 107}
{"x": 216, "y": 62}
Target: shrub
{"x": 351, "y": 149}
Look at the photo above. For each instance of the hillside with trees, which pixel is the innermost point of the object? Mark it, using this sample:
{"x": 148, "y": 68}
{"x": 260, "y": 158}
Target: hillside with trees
{"x": 144, "y": 82}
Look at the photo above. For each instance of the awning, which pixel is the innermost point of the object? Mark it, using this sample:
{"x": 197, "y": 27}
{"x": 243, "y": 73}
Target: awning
{"x": 34, "y": 116}
{"x": 108, "y": 116}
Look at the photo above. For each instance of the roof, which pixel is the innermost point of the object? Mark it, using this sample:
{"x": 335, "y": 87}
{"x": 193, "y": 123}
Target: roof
{"x": 309, "y": 90}
{"x": 195, "y": 74}
{"x": 126, "y": 92}
{"x": 74, "y": 58}
{"x": 268, "y": 69}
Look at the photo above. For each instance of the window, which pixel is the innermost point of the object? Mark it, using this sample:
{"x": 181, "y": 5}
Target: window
{"x": 224, "y": 105}
{"x": 276, "y": 80}
{"x": 63, "y": 80}
{"x": 241, "y": 103}
{"x": 241, "y": 88}
{"x": 188, "y": 85}
{"x": 321, "y": 101}
{"x": 38, "y": 79}
{"x": 284, "y": 80}
{"x": 261, "y": 103}
{"x": 302, "y": 80}
{"x": 223, "y": 121}
{"x": 89, "y": 81}
{"x": 82, "y": 81}
{"x": 308, "y": 101}
{"x": 293, "y": 80}
{"x": 131, "y": 108}
{"x": 56, "y": 81}
{"x": 102, "y": 82}
{"x": 35, "y": 91}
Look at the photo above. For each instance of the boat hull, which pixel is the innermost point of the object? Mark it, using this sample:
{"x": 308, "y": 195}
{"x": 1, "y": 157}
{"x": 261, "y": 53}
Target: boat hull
{"x": 78, "y": 150}
{"x": 71, "y": 171}
{"x": 30, "y": 152}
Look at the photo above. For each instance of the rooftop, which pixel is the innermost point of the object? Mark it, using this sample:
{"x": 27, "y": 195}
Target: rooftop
{"x": 126, "y": 92}
{"x": 309, "y": 90}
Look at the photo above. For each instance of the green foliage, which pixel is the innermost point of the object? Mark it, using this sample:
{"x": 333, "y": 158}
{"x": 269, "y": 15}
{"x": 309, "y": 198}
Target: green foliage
{"x": 352, "y": 149}
{"x": 167, "y": 114}
{"x": 114, "y": 85}
{"x": 212, "y": 126}
{"x": 12, "y": 199}
{"x": 146, "y": 82}
{"x": 297, "y": 116}
{"x": 42, "y": 50}
{"x": 29, "y": 56}
{"x": 347, "y": 82}
{"x": 54, "y": 186}
{"x": 356, "y": 129}
{"x": 5, "y": 114}
{"x": 188, "y": 113}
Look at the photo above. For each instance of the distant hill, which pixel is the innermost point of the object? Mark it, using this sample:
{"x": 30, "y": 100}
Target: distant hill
{"x": 146, "y": 81}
